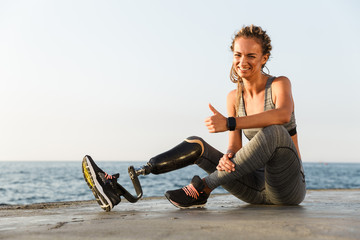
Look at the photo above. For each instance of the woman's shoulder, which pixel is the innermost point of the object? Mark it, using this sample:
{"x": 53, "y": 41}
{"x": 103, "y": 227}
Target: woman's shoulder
{"x": 281, "y": 81}
{"x": 232, "y": 94}
{"x": 231, "y": 97}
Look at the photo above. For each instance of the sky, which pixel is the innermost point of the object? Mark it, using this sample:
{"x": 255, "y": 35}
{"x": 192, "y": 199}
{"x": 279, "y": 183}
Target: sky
{"x": 127, "y": 80}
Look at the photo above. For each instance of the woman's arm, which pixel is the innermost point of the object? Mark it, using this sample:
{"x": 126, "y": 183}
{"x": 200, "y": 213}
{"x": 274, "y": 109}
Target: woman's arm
{"x": 284, "y": 106}
{"x": 235, "y": 137}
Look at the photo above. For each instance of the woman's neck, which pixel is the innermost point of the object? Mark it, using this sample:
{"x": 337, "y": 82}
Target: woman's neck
{"x": 255, "y": 84}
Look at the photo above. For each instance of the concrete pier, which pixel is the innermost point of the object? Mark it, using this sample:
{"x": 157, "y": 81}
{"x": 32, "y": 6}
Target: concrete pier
{"x": 324, "y": 214}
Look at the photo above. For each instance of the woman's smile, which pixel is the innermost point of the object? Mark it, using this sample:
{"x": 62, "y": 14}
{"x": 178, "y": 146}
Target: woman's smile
{"x": 243, "y": 69}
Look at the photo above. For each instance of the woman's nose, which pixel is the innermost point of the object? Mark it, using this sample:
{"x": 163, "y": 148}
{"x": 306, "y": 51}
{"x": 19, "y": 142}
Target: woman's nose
{"x": 242, "y": 61}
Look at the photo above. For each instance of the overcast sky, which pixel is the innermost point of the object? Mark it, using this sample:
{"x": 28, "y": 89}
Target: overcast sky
{"x": 126, "y": 80}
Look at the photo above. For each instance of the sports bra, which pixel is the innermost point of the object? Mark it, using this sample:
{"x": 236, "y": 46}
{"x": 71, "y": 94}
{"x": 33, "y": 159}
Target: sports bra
{"x": 268, "y": 105}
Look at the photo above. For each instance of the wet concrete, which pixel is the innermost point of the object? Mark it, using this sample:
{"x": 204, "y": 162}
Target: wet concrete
{"x": 324, "y": 214}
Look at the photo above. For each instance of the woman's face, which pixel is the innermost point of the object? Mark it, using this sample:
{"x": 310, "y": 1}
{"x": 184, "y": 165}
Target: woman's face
{"x": 248, "y": 58}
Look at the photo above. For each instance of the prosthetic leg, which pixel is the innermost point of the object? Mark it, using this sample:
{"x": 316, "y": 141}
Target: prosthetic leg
{"x": 182, "y": 155}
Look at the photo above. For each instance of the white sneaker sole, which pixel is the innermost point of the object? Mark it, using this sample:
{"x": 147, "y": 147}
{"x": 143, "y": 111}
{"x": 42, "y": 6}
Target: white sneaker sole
{"x": 182, "y": 207}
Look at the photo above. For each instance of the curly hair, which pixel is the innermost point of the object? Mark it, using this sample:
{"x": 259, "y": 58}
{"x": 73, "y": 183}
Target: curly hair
{"x": 260, "y": 36}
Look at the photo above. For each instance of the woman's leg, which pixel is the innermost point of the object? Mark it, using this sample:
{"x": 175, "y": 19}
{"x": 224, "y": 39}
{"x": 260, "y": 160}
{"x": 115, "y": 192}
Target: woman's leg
{"x": 273, "y": 149}
{"x": 249, "y": 188}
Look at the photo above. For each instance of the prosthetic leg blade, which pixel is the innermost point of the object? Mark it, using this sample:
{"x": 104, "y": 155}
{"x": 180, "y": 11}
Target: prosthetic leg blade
{"x": 135, "y": 180}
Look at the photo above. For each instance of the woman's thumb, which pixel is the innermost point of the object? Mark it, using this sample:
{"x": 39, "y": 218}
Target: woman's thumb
{"x": 213, "y": 109}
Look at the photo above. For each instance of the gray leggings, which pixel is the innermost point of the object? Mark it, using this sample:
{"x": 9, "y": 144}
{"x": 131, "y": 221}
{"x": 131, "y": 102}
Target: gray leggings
{"x": 267, "y": 169}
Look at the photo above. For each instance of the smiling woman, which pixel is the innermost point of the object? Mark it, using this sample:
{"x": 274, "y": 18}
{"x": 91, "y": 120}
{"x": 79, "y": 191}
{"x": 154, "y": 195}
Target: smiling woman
{"x": 269, "y": 168}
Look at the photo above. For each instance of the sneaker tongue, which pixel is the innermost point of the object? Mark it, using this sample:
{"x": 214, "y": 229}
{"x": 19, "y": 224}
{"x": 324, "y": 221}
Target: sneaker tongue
{"x": 113, "y": 179}
{"x": 197, "y": 182}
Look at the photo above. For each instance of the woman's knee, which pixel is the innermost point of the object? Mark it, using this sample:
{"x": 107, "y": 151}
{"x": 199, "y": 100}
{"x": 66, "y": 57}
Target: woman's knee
{"x": 277, "y": 134}
{"x": 195, "y": 138}
{"x": 209, "y": 157}
{"x": 275, "y": 130}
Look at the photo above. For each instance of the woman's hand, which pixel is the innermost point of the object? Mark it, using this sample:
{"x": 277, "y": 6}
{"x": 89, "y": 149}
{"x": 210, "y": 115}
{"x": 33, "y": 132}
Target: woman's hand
{"x": 217, "y": 122}
{"x": 225, "y": 164}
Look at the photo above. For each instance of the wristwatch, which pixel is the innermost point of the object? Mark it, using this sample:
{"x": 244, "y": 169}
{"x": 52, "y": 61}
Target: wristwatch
{"x": 231, "y": 123}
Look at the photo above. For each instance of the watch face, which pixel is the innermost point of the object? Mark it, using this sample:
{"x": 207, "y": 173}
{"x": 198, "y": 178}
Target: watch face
{"x": 231, "y": 123}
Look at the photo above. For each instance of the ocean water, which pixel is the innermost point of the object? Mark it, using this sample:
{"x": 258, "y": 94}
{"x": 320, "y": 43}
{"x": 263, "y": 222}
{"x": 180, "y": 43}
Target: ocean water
{"x": 36, "y": 182}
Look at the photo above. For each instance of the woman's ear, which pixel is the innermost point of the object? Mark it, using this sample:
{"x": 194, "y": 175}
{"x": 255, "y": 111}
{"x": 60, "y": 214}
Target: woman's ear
{"x": 265, "y": 58}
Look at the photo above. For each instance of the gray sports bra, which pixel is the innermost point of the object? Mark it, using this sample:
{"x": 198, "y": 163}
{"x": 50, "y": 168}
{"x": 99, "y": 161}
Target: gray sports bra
{"x": 268, "y": 104}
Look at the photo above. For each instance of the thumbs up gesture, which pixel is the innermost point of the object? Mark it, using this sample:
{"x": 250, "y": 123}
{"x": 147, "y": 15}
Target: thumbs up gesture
{"x": 217, "y": 122}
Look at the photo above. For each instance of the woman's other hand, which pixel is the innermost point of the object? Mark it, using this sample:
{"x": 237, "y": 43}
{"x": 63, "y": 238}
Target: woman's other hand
{"x": 225, "y": 164}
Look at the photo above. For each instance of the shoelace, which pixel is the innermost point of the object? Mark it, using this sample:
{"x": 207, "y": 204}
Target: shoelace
{"x": 110, "y": 177}
{"x": 191, "y": 191}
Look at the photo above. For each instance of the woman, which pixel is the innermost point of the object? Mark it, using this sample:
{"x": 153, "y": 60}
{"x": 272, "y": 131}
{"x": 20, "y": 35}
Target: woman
{"x": 267, "y": 170}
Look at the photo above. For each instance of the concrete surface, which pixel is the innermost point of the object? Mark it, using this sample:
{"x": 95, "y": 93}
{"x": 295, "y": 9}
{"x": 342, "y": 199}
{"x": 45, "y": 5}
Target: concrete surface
{"x": 324, "y": 214}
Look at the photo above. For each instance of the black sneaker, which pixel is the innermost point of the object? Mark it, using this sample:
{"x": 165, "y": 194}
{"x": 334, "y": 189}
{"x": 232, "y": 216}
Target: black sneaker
{"x": 103, "y": 185}
{"x": 191, "y": 196}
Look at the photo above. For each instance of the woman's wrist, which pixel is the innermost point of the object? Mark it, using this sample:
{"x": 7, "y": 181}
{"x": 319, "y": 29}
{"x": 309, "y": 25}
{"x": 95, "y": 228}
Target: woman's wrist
{"x": 229, "y": 151}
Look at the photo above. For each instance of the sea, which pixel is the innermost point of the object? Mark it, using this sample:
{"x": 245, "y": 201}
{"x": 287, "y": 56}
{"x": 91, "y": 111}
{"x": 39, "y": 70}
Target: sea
{"x": 39, "y": 182}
